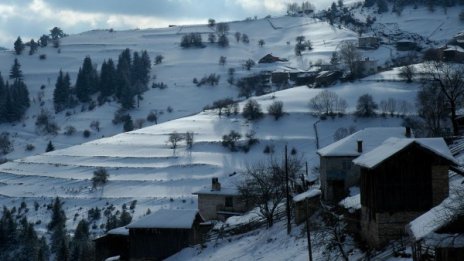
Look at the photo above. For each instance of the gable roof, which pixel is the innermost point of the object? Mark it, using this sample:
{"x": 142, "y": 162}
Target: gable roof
{"x": 224, "y": 191}
{"x": 371, "y": 137}
{"x": 167, "y": 218}
{"x": 393, "y": 145}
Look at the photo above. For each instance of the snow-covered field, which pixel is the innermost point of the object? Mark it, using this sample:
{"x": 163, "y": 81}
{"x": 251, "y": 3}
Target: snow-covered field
{"x": 141, "y": 164}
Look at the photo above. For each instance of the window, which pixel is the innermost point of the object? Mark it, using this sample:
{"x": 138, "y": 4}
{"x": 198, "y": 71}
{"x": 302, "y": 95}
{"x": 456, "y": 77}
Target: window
{"x": 229, "y": 202}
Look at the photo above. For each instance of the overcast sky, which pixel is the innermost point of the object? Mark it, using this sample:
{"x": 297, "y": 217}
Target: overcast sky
{"x": 32, "y": 18}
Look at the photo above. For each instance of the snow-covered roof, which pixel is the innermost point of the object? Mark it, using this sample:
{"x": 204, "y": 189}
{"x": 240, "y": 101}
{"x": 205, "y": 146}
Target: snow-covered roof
{"x": 439, "y": 216}
{"x": 167, "y": 218}
{"x": 307, "y": 194}
{"x": 371, "y": 137}
{"x": 454, "y": 48}
{"x": 224, "y": 191}
{"x": 393, "y": 145}
{"x": 123, "y": 231}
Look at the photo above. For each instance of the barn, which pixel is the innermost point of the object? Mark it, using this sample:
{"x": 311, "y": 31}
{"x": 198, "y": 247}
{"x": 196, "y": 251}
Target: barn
{"x": 114, "y": 243}
{"x": 165, "y": 232}
{"x": 400, "y": 180}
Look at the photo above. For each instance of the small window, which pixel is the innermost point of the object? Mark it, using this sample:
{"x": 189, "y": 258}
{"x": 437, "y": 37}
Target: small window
{"x": 229, "y": 202}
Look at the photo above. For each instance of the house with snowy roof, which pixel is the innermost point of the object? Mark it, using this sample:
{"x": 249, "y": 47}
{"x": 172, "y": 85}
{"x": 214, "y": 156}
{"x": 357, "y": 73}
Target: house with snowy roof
{"x": 337, "y": 172}
{"x": 165, "y": 232}
{"x": 114, "y": 243}
{"x": 400, "y": 180}
{"x": 217, "y": 202}
{"x": 438, "y": 234}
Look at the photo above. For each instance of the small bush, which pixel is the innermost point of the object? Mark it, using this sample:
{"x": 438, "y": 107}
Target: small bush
{"x": 229, "y": 140}
{"x": 30, "y": 147}
{"x": 269, "y": 149}
{"x": 169, "y": 109}
{"x": 100, "y": 177}
{"x": 120, "y": 116}
{"x": 5, "y": 144}
{"x": 152, "y": 117}
{"x": 43, "y": 57}
{"x": 69, "y": 130}
{"x": 86, "y": 133}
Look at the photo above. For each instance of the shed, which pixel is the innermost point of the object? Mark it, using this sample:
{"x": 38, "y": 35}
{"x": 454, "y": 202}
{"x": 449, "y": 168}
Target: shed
{"x": 114, "y": 243}
{"x": 400, "y": 180}
{"x": 269, "y": 58}
{"x": 337, "y": 172}
{"x": 219, "y": 202}
{"x": 163, "y": 233}
{"x": 305, "y": 202}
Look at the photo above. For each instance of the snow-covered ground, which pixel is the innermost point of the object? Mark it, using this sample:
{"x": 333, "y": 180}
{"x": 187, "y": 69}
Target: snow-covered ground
{"x": 141, "y": 164}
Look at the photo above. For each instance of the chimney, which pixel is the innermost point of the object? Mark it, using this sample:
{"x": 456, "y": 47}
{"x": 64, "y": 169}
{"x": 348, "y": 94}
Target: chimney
{"x": 360, "y": 146}
{"x": 408, "y": 132}
{"x": 215, "y": 185}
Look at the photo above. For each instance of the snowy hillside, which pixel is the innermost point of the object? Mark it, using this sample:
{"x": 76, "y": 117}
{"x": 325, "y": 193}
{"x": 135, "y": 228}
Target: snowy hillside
{"x": 141, "y": 164}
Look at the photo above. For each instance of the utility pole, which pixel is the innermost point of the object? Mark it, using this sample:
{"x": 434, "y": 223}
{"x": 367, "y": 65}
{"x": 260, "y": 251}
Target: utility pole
{"x": 289, "y": 225}
{"x": 308, "y": 232}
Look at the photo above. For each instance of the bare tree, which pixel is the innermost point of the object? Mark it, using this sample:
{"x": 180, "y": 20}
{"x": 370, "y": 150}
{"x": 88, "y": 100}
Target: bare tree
{"x": 407, "y": 73}
{"x": 264, "y": 185}
{"x": 276, "y": 109}
{"x": 349, "y": 55}
{"x": 189, "y": 139}
{"x": 174, "y": 139}
{"x": 449, "y": 79}
{"x": 432, "y": 108}
{"x": 327, "y": 102}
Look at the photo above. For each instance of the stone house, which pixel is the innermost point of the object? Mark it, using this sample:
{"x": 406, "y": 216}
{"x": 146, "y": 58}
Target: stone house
{"x": 366, "y": 66}
{"x": 164, "y": 233}
{"x": 368, "y": 42}
{"x": 400, "y": 180}
{"x": 337, "y": 172}
{"x": 219, "y": 203}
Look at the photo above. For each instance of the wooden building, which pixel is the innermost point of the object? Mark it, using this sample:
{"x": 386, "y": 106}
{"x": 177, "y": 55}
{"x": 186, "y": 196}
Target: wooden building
{"x": 368, "y": 42}
{"x": 164, "y": 233}
{"x": 114, "y": 243}
{"x": 406, "y": 45}
{"x": 326, "y": 78}
{"x": 337, "y": 172}
{"x": 400, "y": 180}
{"x": 453, "y": 53}
{"x": 269, "y": 58}
{"x": 219, "y": 203}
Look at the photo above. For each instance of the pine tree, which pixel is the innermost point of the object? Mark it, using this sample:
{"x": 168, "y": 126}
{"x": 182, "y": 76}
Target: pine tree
{"x": 124, "y": 91}
{"x": 33, "y": 47}
{"x": 62, "y": 92}
{"x": 15, "y": 71}
{"x": 87, "y": 81}
{"x": 43, "y": 41}
{"x": 108, "y": 77}
{"x": 20, "y": 97}
{"x": 18, "y": 46}
{"x": 49, "y": 148}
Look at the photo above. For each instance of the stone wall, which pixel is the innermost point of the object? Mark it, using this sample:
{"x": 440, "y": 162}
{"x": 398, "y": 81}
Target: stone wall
{"x": 208, "y": 205}
{"x": 377, "y": 230}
